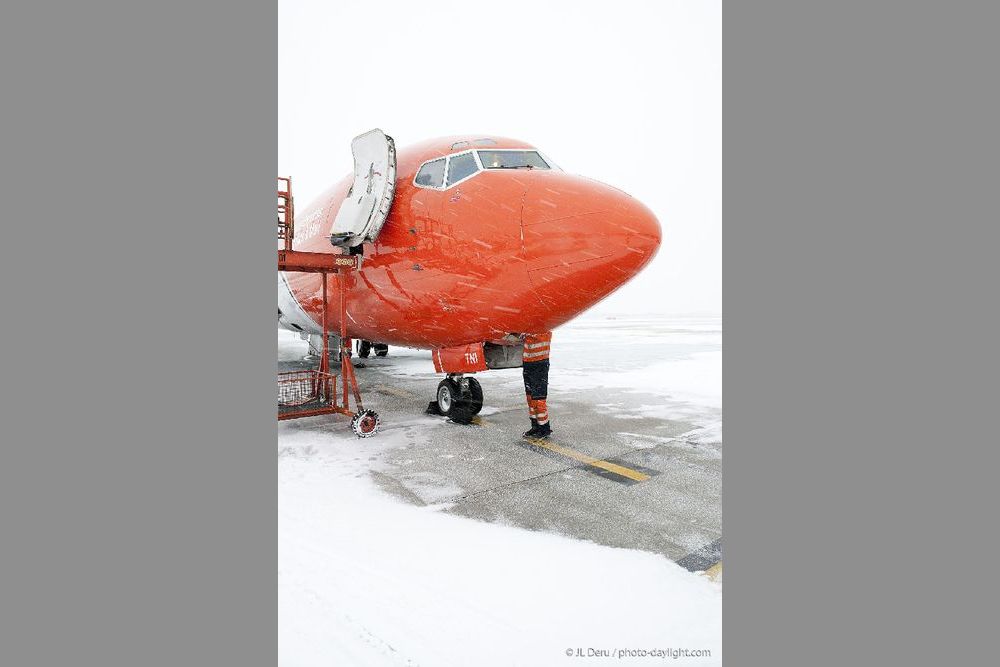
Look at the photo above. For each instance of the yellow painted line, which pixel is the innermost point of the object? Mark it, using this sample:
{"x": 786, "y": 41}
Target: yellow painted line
{"x": 714, "y": 572}
{"x": 589, "y": 460}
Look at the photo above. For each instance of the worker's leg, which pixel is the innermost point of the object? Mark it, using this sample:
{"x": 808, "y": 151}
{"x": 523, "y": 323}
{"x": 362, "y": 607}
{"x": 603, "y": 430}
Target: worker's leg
{"x": 535, "y": 368}
{"x": 536, "y": 384}
{"x": 531, "y": 401}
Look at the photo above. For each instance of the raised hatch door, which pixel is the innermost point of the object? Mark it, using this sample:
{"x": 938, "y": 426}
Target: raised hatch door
{"x": 367, "y": 205}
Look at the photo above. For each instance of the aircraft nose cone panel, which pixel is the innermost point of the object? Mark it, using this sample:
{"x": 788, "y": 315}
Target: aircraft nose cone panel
{"x": 583, "y": 240}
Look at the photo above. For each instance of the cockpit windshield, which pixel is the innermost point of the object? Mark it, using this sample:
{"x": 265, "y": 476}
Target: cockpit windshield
{"x": 512, "y": 160}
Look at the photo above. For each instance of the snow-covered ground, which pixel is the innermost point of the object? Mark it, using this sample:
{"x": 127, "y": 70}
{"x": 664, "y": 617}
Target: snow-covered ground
{"x": 366, "y": 579}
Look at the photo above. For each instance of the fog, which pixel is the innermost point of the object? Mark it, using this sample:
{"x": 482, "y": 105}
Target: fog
{"x": 628, "y": 93}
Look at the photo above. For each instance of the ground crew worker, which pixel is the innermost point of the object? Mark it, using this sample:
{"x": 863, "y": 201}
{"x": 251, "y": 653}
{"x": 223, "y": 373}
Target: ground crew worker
{"x": 535, "y": 368}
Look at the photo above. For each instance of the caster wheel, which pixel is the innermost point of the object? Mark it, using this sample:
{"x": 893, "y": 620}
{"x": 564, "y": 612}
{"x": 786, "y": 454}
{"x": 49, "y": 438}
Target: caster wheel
{"x": 364, "y": 348}
{"x": 381, "y": 349}
{"x": 365, "y": 424}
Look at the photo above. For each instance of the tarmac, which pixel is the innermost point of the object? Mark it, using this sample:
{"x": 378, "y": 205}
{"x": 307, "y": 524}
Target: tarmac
{"x": 608, "y": 474}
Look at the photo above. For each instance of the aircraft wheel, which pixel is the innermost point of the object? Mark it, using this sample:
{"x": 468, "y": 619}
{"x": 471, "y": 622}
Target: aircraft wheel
{"x": 475, "y": 398}
{"x": 460, "y": 406}
{"x": 463, "y": 413}
{"x": 448, "y": 396}
{"x": 469, "y": 403}
{"x": 381, "y": 349}
{"x": 365, "y": 424}
{"x": 364, "y": 348}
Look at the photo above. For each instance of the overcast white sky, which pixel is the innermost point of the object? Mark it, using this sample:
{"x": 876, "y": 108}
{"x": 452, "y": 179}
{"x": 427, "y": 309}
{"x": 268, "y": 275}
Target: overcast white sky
{"x": 627, "y": 92}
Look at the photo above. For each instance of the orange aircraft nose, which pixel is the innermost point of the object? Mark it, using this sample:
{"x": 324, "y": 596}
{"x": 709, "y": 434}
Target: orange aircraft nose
{"x": 582, "y": 241}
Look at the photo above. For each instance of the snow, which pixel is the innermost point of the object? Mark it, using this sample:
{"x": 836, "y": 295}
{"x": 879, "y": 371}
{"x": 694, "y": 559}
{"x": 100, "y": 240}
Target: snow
{"x": 677, "y": 360}
{"x": 367, "y": 579}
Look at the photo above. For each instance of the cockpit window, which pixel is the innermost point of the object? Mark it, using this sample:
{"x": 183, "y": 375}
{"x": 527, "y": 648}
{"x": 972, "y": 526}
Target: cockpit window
{"x": 431, "y": 174}
{"x": 461, "y": 166}
{"x": 512, "y": 160}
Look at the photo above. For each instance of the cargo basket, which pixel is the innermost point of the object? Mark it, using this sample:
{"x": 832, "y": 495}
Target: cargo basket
{"x": 305, "y": 391}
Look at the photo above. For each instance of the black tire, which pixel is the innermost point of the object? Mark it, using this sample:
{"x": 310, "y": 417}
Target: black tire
{"x": 459, "y": 406}
{"x": 462, "y": 413}
{"x": 448, "y": 397}
{"x": 475, "y": 397}
{"x": 381, "y": 349}
{"x": 469, "y": 403}
{"x": 364, "y": 348}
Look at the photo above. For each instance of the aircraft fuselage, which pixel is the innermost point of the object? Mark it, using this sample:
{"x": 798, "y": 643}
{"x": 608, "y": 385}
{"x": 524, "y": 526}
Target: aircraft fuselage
{"x": 504, "y": 251}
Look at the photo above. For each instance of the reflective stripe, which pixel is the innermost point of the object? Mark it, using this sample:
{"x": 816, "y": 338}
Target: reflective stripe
{"x": 535, "y": 345}
{"x": 536, "y": 355}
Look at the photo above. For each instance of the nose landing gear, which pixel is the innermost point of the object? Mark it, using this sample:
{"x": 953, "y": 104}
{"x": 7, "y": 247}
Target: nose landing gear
{"x": 365, "y": 348}
{"x": 458, "y": 397}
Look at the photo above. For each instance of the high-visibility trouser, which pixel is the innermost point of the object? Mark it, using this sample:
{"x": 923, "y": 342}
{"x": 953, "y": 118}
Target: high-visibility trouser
{"x": 536, "y": 388}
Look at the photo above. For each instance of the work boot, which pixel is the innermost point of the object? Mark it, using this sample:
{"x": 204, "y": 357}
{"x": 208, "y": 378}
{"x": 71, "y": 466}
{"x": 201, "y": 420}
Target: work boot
{"x": 530, "y": 433}
{"x": 543, "y": 431}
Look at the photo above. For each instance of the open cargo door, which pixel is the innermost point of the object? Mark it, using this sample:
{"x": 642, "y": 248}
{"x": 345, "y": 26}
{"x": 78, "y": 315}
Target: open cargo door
{"x": 367, "y": 205}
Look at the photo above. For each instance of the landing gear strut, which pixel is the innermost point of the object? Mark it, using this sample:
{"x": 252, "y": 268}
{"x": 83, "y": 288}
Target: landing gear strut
{"x": 459, "y": 398}
{"x": 365, "y": 348}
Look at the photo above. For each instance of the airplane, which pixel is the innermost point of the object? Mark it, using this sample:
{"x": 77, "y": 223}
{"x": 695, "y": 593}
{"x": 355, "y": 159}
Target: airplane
{"x": 467, "y": 243}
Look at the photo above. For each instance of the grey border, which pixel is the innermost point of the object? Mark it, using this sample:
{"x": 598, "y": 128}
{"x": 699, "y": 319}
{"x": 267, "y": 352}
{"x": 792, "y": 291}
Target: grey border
{"x": 859, "y": 169}
{"x": 138, "y": 477}
{"x": 139, "y": 516}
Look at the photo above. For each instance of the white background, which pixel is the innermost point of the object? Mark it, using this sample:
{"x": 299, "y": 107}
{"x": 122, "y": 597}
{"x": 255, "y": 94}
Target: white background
{"x": 627, "y": 92}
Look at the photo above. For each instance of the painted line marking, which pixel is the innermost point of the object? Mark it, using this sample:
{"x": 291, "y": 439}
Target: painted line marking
{"x": 634, "y": 475}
